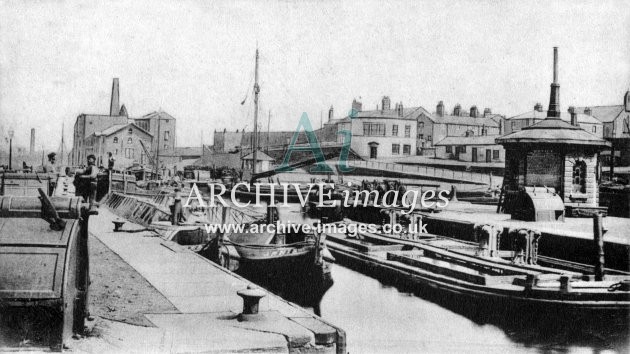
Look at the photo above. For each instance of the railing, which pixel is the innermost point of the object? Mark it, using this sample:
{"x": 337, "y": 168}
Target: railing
{"x": 429, "y": 171}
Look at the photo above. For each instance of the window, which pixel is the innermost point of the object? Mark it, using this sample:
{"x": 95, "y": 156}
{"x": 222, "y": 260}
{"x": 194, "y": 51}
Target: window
{"x": 495, "y": 154}
{"x": 116, "y": 153}
{"x": 166, "y": 135}
{"x": 129, "y": 141}
{"x": 395, "y": 149}
{"x": 166, "y": 147}
{"x": 579, "y": 177}
{"x": 395, "y": 130}
{"x": 406, "y": 149}
{"x": 129, "y": 131}
{"x": 594, "y": 129}
{"x": 129, "y": 153}
{"x": 429, "y": 138}
{"x": 421, "y": 126}
{"x": 462, "y": 148}
{"x": 407, "y": 131}
{"x": 449, "y": 149}
{"x": 513, "y": 125}
{"x": 373, "y": 129}
{"x": 420, "y": 136}
{"x": 115, "y": 140}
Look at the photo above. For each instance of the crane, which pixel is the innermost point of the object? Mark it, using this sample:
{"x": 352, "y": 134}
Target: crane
{"x": 146, "y": 151}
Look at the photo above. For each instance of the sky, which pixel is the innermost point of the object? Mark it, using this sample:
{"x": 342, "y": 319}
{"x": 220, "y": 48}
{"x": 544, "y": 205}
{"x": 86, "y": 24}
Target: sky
{"x": 195, "y": 59}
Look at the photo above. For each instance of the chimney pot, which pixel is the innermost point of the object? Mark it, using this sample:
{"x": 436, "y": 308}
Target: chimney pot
{"x": 457, "y": 111}
{"x": 473, "y": 112}
{"x": 400, "y": 109}
{"x": 357, "y": 105}
{"x": 487, "y": 112}
{"x": 574, "y": 120}
{"x": 538, "y": 107}
{"x": 331, "y": 113}
{"x": 440, "y": 109}
{"x": 386, "y": 103}
{"x": 588, "y": 111}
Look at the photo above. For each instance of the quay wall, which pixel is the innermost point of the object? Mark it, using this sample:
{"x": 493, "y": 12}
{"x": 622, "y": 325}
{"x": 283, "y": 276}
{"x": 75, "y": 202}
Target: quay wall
{"x": 554, "y": 245}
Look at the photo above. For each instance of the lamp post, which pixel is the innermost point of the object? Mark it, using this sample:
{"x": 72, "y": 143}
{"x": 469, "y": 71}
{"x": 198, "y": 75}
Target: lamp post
{"x": 11, "y": 132}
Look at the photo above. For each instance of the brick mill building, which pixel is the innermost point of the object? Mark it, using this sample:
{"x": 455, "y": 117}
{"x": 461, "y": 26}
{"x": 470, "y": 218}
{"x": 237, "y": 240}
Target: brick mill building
{"x": 123, "y": 136}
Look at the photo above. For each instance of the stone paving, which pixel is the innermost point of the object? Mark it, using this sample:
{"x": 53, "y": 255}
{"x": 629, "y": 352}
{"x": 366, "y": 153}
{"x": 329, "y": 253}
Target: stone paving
{"x": 205, "y": 295}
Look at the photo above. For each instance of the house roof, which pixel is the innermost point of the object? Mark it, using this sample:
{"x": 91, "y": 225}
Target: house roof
{"x": 411, "y": 113}
{"x": 463, "y": 120}
{"x": 260, "y": 156}
{"x": 565, "y": 116}
{"x": 185, "y": 152}
{"x": 115, "y": 128}
{"x": 604, "y": 114}
{"x": 155, "y": 114}
{"x": 222, "y": 159}
{"x": 188, "y": 151}
{"x": 468, "y": 140}
{"x": 552, "y": 131}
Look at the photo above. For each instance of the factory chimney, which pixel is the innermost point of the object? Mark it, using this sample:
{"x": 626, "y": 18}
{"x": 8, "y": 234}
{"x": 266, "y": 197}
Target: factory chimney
{"x": 554, "y": 99}
{"x": 114, "y": 107}
{"x": 32, "y": 148}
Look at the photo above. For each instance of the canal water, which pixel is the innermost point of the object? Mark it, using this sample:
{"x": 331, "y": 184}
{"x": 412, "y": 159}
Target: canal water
{"x": 381, "y": 318}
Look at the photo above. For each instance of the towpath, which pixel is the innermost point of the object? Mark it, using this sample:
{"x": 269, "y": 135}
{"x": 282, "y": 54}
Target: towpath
{"x": 205, "y": 305}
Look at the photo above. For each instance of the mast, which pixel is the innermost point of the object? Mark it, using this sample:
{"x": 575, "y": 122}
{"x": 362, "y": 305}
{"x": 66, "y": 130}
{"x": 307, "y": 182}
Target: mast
{"x": 62, "y": 144}
{"x": 157, "y": 151}
{"x": 256, "y": 91}
{"x": 268, "y": 124}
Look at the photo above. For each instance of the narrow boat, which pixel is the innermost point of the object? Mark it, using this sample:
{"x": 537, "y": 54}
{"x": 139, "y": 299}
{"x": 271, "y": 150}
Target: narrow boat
{"x": 290, "y": 261}
{"x": 481, "y": 272}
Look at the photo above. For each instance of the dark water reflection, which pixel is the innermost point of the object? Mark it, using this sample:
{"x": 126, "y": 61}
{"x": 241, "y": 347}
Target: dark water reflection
{"x": 382, "y": 318}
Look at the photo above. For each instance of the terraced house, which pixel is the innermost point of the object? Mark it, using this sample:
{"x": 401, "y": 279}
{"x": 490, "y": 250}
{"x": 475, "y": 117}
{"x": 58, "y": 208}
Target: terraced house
{"x": 383, "y": 133}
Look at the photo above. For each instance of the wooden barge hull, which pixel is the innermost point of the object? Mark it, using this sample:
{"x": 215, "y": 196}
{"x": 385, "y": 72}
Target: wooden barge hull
{"x": 505, "y": 296}
{"x": 288, "y": 271}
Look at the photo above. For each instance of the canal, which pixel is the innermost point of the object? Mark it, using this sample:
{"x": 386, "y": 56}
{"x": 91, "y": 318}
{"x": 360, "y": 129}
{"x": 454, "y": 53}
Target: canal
{"x": 382, "y": 318}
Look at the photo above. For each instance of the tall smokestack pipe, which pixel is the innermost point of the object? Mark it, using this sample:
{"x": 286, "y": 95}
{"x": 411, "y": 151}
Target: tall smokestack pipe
{"x": 554, "y": 98}
{"x": 114, "y": 107}
{"x": 32, "y": 148}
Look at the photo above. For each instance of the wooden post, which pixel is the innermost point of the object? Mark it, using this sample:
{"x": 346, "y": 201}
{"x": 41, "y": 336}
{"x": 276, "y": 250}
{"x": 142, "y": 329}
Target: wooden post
{"x": 109, "y": 181}
{"x": 599, "y": 246}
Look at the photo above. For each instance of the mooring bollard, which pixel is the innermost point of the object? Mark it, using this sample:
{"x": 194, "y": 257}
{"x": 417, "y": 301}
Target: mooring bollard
{"x": 599, "y": 246}
{"x": 117, "y": 225}
{"x": 251, "y": 298}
